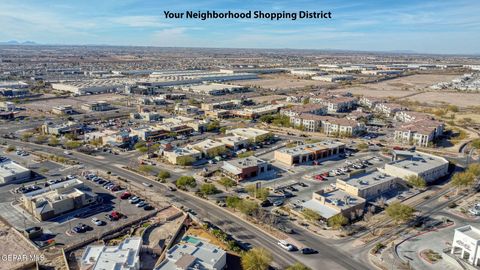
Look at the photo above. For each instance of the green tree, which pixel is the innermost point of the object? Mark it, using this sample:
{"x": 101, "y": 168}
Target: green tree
{"x": 40, "y": 138}
{"x": 186, "y": 181}
{"x": 185, "y": 160}
{"x": 208, "y": 189}
{"x": 337, "y": 221}
{"x": 311, "y": 215}
{"x": 399, "y": 212}
{"x": 261, "y": 193}
{"x": 247, "y": 207}
{"x": 223, "y": 130}
{"x": 53, "y": 141}
{"x": 213, "y": 125}
{"x": 72, "y": 144}
{"x": 256, "y": 259}
{"x": 140, "y": 144}
{"x": 474, "y": 169}
{"x": 416, "y": 181}
{"x": 142, "y": 149}
{"x": 162, "y": 175}
{"x": 246, "y": 154}
{"x": 476, "y": 143}
{"x": 362, "y": 146}
{"x": 227, "y": 182}
{"x": 298, "y": 266}
{"x": 232, "y": 201}
{"x": 11, "y": 148}
{"x": 26, "y": 136}
{"x": 146, "y": 168}
{"x": 462, "y": 180}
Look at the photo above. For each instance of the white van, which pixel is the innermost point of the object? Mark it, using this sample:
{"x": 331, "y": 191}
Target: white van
{"x": 147, "y": 184}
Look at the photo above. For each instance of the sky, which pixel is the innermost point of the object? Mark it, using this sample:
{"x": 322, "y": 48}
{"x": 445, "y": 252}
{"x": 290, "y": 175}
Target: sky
{"x": 429, "y": 26}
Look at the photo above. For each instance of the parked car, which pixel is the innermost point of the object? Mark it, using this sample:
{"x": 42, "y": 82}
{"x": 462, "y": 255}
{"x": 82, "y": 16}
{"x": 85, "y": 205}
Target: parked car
{"x": 266, "y": 203}
{"x": 98, "y": 222}
{"x": 141, "y": 204}
{"x": 278, "y": 203}
{"x": 125, "y": 195}
{"x": 148, "y": 207}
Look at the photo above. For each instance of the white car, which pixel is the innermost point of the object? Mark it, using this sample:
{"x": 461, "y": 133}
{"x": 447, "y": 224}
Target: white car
{"x": 285, "y": 245}
{"x": 97, "y": 221}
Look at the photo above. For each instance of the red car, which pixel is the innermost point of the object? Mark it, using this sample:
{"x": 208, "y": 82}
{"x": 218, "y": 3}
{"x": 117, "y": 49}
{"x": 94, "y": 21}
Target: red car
{"x": 325, "y": 174}
{"x": 318, "y": 177}
{"x": 125, "y": 195}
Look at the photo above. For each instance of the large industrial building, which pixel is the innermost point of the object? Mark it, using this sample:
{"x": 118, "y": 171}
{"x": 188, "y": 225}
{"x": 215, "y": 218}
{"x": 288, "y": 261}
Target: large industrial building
{"x": 308, "y": 152}
{"x": 214, "y": 89}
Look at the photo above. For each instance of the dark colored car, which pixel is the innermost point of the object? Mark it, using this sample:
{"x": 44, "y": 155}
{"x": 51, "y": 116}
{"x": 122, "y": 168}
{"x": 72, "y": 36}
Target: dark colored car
{"x": 148, "y": 207}
{"x": 266, "y": 203}
{"x": 308, "y": 251}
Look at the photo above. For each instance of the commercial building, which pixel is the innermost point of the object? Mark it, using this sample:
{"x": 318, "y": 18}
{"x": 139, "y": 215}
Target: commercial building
{"x": 214, "y": 89}
{"x": 234, "y": 142}
{"x": 194, "y": 253}
{"x": 7, "y": 106}
{"x": 226, "y": 105}
{"x": 125, "y": 256}
{"x": 90, "y": 86}
{"x": 245, "y": 168}
{"x": 63, "y": 110}
{"x": 407, "y": 163}
{"x": 199, "y": 125}
{"x": 97, "y": 106}
{"x": 253, "y": 134}
{"x": 150, "y": 134}
{"x": 11, "y": 171}
{"x": 309, "y": 152}
{"x": 331, "y": 203}
{"x": 466, "y": 242}
{"x": 368, "y": 185}
{"x": 186, "y": 109}
{"x": 209, "y": 147}
{"x": 332, "y": 78}
{"x": 57, "y": 199}
{"x": 179, "y": 154}
{"x": 252, "y": 113}
{"x": 115, "y": 138}
{"x": 63, "y": 128}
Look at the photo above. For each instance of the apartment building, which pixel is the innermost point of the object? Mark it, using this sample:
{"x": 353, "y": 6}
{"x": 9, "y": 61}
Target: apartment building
{"x": 389, "y": 109}
{"x": 308, "y": 152}
{"x": 332, "y": 126}
{"x": 334, "y": 103}
{"x": 411, "y": 116}
{"x": 317, "y": 109}
{"x": 370, "y": 102}
{"x": 420, "y": 133}
{"x": 253, "y": 113}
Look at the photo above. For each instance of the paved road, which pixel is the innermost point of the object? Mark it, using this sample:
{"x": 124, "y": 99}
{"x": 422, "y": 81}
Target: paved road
{"x": 329, "y": 257}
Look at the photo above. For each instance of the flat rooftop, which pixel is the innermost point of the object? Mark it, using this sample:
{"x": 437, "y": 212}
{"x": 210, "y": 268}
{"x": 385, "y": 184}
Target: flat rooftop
{"x": 245, "y": 162}
{"x": 248, "y": 132}
{"x": 9, "y": 168}
{"x": 363, "y": 181}
{"x": 470, "y": 231}
{"x": 311, "y": 147}
{"x": 207, "y": 144}
{"x": 416, "y": 161}
{"x": 341, "y": 199}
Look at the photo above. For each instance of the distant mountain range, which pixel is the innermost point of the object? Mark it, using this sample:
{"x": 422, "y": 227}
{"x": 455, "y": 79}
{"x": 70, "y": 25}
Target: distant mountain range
{"x": 14, "y": 42}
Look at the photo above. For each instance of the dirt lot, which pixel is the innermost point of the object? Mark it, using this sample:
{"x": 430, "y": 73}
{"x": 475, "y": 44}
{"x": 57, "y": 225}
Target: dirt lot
{"x": 282, "y": 81}
{"x": 455, "y": 98}
{"x": 13, "y": 244}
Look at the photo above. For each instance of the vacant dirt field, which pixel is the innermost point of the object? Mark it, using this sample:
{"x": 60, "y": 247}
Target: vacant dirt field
{"x": 282, "y": 81}
{"x": 455, "y": 98}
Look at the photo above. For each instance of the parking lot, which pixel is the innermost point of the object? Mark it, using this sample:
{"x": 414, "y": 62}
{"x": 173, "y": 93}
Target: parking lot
{"x": 64, "y": 229}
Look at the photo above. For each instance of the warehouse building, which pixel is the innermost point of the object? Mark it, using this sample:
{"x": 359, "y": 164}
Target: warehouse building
{"x": 408, "y": 163}
{"x": 98, "y": 106}
{"x": 245, "y": 168}
{"x": 309, "y": 152}
{"x": 215, "y": 89}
